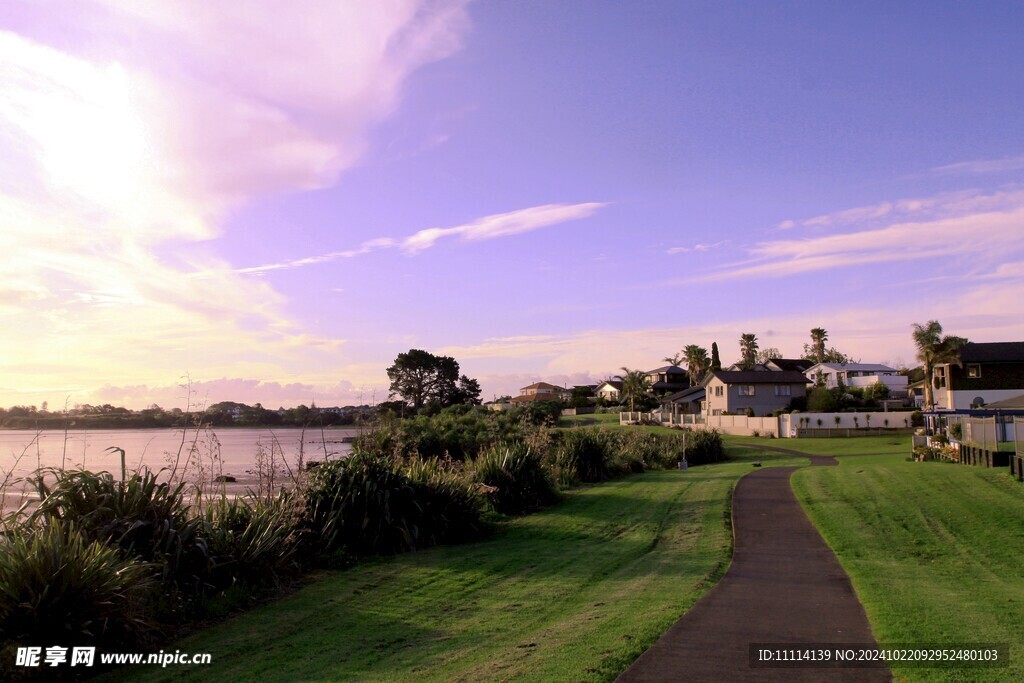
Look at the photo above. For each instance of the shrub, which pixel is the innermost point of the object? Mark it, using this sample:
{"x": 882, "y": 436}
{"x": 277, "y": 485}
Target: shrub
{"x": 704, "y": 446}
{"x": 452, "y": 504}
{"x": 251, "y": 542}
{"x": 956, "y": 430}
{"x": 59, "y": 587}
{"x": 822, "y": 400}
{"x": 516, "y": 478}
{"x": 582, "y": 455}
{"x": 362, "y": 504}
{"x": 142, "y": 517}
{"x": 916, "y": 419}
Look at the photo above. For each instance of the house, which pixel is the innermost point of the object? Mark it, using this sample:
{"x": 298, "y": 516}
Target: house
{"x": 539, "y": 391}
{"x": 764, "y": 392}
{"x": 861, "y": 375}
{"x": 685, "y": 402}
{"x": 668, "y": 379}
{"x": 609, "y": 390}
{"x": 988, "y": 372}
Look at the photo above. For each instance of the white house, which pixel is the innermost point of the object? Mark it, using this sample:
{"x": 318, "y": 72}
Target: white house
{"x": 860, "y": 375}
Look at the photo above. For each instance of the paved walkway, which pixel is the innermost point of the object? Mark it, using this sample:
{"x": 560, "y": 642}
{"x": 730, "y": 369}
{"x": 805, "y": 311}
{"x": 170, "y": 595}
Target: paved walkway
{"x": 784, "y": 585}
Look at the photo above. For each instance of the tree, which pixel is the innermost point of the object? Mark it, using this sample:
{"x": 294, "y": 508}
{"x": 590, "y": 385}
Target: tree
{"x": 935, "y": 349}
{"x": 765, "y": 355}
{"x": 697, "y": 362}
{"x": 420, "y": 377}
{"x": 748, "y": 350}
{"x": 635, "y": 385}
{"x": 716, "y": 361}
{"x": 819, "y": 335}
{"x": 674, "y": 360}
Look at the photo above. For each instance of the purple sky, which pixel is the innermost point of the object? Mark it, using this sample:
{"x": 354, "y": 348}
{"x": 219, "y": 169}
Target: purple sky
{"x": 277, "y": 203}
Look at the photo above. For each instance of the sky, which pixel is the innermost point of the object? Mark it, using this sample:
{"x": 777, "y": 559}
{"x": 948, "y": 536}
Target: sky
{"x": 267, "y": 202}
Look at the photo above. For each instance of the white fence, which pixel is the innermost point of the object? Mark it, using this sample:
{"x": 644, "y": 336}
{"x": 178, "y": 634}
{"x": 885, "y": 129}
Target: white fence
{"x": 788, "y": 423}
{"x": 784, "y": 426}
{"x": 739, "y": 425}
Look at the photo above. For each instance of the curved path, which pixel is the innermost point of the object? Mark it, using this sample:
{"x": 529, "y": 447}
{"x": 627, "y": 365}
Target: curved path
{"x": 784, "y": 585}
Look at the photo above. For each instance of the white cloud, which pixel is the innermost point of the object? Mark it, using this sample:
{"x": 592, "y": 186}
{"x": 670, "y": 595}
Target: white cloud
{"x": 503, "y": 224}
{"x": 123, "y": 146}
{"x": 989, "y": 227}
{"x": 979, "y": 166}
{"x": 697, "y": 247}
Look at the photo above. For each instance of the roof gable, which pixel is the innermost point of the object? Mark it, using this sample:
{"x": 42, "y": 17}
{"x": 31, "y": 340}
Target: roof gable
{"x": 757, "y": 377}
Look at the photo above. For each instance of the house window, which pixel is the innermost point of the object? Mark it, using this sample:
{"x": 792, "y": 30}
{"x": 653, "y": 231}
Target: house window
{"x": 783, "y": 390}
{"x": 718, "y": 390}
{"x": 746, "y": 390}
{"x": 974, "y": 371}
{"x": 716, "y": 412}
{"x": 940, "y": 378}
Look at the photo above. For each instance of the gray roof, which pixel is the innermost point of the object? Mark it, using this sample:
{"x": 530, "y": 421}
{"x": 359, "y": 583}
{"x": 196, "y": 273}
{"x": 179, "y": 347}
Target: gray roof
{"x": 858, "y": 367}
{"x": 686, "y": 395}
{"x": 1013, "y": 403}
{"x": 757, "y": 377}
{"x": 674, "y": 369}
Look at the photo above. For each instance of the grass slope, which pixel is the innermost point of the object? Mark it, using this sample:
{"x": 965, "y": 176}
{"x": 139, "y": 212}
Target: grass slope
{"x": 576, "y": 592}
{"x": 933, "y": 549}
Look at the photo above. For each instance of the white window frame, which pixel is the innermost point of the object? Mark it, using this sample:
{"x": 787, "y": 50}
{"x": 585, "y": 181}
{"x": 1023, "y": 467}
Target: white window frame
{"x": 747, "y": 390}
{"x": 976, "y": 369}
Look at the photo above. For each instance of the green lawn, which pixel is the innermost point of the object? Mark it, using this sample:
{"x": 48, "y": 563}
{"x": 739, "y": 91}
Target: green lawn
{"x": 859, "y": 445}
{"x": 934, "y": 551}
{"x": 591, "y": 420}
{"x": 576, "y": 592}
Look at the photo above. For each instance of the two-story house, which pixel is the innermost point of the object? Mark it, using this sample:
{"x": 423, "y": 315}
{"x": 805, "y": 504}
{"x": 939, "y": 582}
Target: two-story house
{"x": 861, "y": 375}
{"x": 539, "y": 391}
{"x": 609, "y": 390}
{"x": 764, "y": 392}
{"x": 668, "y": 379}
{"x": 988, "y": 372}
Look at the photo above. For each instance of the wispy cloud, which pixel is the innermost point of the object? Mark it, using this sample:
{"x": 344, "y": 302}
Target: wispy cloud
{"x": 987, "y": 226}
{"x": 697, "y": 247}
{"x": 981, "y": 166}
{"x": 488, "y": 227}
{"x": 502, "y": 224}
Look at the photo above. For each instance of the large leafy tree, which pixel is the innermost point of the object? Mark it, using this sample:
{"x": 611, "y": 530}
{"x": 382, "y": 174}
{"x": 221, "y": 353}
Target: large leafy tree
{"x": 748, "y": 350}
{"x": 933, "y": 348}
{"x": 716, "y": 360}
{"x": 765, "y": 355}
{"x": 635, "y": 385}
{"x": 420, "y": 377}
{"x": 674, "y": 360}
{"x": 697, "y": 362}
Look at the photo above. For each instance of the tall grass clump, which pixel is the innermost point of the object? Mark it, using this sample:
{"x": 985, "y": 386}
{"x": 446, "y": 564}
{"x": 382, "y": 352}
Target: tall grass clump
{"x": 142, "y": 517}
{"x": 362, "y": 505}
{"x": 253, "y": 542}
{"x": 516, "y": 478}
{"x": 452, "y": 503}
{"x": 638, "y": 450}
{"x": 59, "y": 587}
{"x": 583, "y": 455}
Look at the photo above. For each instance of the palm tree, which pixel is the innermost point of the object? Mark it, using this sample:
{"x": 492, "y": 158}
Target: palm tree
{"x": 674, "y": 360}
{"x": 635, "y": 385}
{"x": 935, "y": 349}
{"x": 697, "y": 362}
{"x": 748, "y": 348}
{"x": 819, "y": 335}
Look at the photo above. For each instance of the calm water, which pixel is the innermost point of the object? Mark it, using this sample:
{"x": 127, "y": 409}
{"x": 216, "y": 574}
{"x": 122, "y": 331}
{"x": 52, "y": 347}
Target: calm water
{"x": 22, "y": 451}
